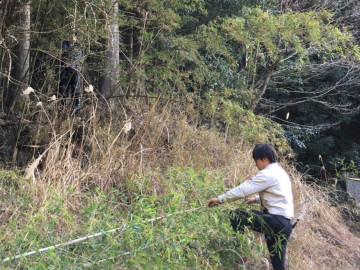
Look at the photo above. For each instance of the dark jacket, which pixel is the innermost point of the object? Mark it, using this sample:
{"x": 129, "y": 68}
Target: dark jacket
{"x": 71, "y": 56}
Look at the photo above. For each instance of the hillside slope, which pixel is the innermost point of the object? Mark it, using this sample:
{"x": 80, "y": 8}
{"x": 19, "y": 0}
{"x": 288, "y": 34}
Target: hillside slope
{"x": 155, "y": 163}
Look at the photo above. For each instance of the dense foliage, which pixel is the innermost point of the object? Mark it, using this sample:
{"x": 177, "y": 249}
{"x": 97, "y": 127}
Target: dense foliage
{"x": 174, "y": 96}
{"x": 278, "y": 58}
{"x": 166, "y": 230}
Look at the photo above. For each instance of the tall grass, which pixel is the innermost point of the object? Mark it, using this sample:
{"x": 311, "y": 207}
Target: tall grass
{"x": 100, "y": 169}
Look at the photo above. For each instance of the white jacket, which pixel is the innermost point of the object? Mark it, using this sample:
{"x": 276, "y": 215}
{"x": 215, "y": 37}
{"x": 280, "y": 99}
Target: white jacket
{"x": 274, "y": 188}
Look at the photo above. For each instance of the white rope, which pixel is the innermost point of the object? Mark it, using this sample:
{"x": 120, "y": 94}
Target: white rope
{"x": 27, "y": 254}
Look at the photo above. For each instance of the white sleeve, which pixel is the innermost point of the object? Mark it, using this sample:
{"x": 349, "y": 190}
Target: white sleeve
{"x": 256, "y": 184}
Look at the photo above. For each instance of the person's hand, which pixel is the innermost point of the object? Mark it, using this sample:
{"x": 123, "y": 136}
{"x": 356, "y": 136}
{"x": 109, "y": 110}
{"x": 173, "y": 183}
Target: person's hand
{"x": 250, "y": 200}
{"x": 213, "y": 202}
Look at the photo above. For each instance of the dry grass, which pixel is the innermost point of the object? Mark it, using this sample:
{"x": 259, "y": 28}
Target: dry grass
{"x": 100, "y": 150}
{"x": 321, "y": 240}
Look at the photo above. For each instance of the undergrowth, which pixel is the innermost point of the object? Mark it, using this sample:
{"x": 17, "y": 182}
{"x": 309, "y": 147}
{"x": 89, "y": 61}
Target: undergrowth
{"x": 100, "y": 170}
{"x": 199, "y": 239}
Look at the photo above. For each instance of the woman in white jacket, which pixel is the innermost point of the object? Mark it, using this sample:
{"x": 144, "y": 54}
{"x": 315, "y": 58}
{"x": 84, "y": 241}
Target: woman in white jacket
{"x": 273, "y": 186}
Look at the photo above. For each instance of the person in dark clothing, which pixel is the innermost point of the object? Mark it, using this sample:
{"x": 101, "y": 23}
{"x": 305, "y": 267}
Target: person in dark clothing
{"x": 70, "y": 71}
{"x": 273, "y": 186}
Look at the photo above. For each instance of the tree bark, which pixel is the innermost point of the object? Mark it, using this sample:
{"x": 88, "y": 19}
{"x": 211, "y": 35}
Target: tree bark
{"x": 110, "y": 81}
{"x": 22, "y": 53}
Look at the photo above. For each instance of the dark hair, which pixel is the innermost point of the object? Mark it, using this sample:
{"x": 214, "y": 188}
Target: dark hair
{"x": 265, "y": 150}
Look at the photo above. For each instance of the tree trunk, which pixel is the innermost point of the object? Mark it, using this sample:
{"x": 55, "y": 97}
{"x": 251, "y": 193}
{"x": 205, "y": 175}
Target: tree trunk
{"x": 22, "y": 56}
{"x": 110, "y": 81}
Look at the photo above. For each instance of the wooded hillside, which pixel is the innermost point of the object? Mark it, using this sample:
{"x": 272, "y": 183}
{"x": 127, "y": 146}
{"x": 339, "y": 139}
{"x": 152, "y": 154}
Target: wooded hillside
{"x": 116, "y": 112}
{"x": 296, "y": 62}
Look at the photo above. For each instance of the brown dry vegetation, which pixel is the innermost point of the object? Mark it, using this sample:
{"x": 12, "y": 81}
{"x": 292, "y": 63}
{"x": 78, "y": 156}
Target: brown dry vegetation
{"x": 321, "y": 240}
{"x": 96, "y": 150}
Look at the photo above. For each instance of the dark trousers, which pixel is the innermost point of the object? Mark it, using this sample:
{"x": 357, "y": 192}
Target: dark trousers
{"x": 70, "y": 84}
{"x": 276, "y": 229}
